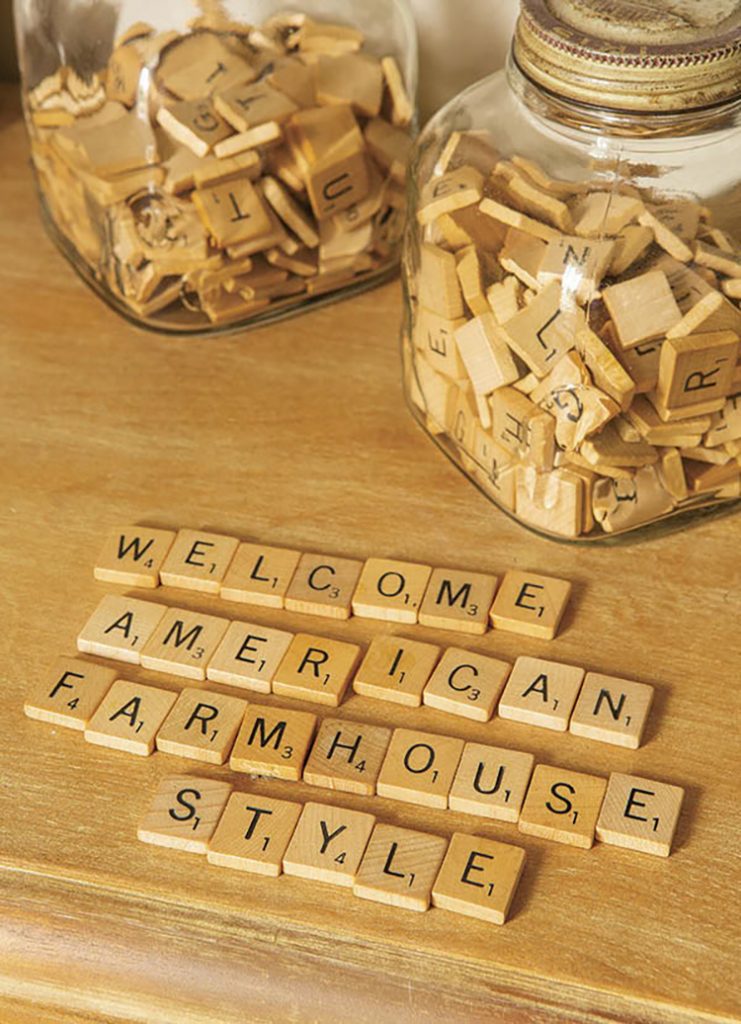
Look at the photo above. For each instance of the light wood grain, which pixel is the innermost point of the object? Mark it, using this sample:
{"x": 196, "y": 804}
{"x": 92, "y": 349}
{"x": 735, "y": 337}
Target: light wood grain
{"x": 297, "y": 436}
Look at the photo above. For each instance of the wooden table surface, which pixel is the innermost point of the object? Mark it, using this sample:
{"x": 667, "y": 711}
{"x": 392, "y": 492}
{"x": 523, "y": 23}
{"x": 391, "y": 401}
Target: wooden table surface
{"x": 297, "y": 434}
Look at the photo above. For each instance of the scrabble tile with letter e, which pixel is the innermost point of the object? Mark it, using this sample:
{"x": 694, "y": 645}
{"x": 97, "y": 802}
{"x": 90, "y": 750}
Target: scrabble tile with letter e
{"x": 184, "y": 813}
{"x": 248, "y": 656}
{"x": 541, "y": 693}
{"x": 323, "y": 585}
{"x": 328, "y": 844}
{"x": 183, "y": 643}
{"x": 133, "y": 556}
{"x": 419, "y": 768}
{"x": 396, "y": 669}
{"x": 347, "y": 756}
{"x": 491, "y": 782}
{"x": 639, "y": 814}
{"x": 198, "y": 561}
{"x": 467, "y": 684}
{"x": 253, "y": 834}
{"x": 316, "y": 669}
{"x": 458, "y": 600}
{"x": 129, "y": 717}
{"x": 202, "y": 726}
{"x": 562, "y": 805}
{"x": 478, "y": 878}
{"x": 69, "y": 693}
{"x": 399, "y": 867}
{"x": 120, "y": 627}
{"x": 612, "y": 710}
{"x": 259, "y": 574}
{"x": 273, "y": 742}
{"x": 391, "y": 590}
{"x": 530, "y": 604}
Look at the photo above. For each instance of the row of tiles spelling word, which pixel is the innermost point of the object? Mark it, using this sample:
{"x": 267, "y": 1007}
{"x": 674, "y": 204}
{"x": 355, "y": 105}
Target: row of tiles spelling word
{"x": 321, "y": 843}
{"x": 306, "y": 667}
{"x": 378, "y": 588}
{"x": 402, "y": 764}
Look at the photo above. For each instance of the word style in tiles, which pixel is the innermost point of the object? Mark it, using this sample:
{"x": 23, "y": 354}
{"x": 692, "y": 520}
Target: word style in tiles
{"x": 478, "y": 878}
{"x": 133, "y": 557}
{"x": 639, "y": 814}
{"x": 184, "y": 813}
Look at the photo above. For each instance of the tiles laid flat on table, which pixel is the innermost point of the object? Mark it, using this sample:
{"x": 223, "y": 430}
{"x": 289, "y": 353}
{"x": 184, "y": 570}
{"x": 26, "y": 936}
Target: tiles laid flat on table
{"x": 458, "y": 600}
{"x": 478, "y": 877}
{"x": 328, "y": 844}
{"x": 419, "y": 768}
{"x": 347, "y": 756}
{"x": 69, "y": 693}
{"x": 183, "y": 643}
{"x": 120, "y": 627}
{"x": 133, "y": 556}
{"x": 530, "y": 604}
{"x": 184, "y": 813}
{"x": 260, "y": 575}
{"x": 639, "y": 814}
{"x": 273, "y": 742}
{"x": 541, "y": 693}
{"x": 248, "y": 656}
{"x": 399, "y": 867}
{"x": 612, "y": 710}
{"x": 323, "y": 585}
{"x": 253, "y": 833}
{"x": 396, "y": 669}
{"x": 202, "y": 725}
{"x": 198, "y": 561}
{"x": 466, "y": 684}
{"x": 129, "y": 716}
{"x": 491, "y": 782}
{"x": 562, "y": 805}
{"x": 391, "y": 590}
{"x": 316, "y": 669}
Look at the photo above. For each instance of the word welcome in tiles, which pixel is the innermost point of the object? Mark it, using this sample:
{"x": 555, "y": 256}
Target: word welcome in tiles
{"x": 388, "y": 589}
{"x": 415, "y": 767}
{"x": 317, "y": 669}
{"x": 321, "y": 843}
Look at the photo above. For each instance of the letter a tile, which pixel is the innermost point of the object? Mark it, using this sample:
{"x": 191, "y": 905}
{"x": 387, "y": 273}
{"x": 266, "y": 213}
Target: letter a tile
{"x": 562, "y": 805}
{"x": 328, "y": 844}
{"x": 478, "y": 878}
{"x": 253, "y": 834}
{"x": 69, "y": 693}
{"x": 639, "y": 814}
{"x": 133, "y": 556}
{"x": 184, "y": 813}
{"x": 202, "y": 725}
{"x": 541, "y": 693}
{"x": 119, "y": 628}
{"x": 129, "y": 717}
{"x": 399, "y": 867}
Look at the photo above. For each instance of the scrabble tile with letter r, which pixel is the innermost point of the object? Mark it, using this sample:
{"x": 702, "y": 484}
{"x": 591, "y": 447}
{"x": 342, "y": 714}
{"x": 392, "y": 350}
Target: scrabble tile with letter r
{"x": 639, "y": 814}
{"x": 328, "y": 844}
{"x": 253, "y": 833}
{"x": 530, "y": 604}
{"x": 184, "y": 813}
{"x": 316, "y": 669}
{"x": 120, "y": 627}
{"x": 198, "y": 561}
{"x": 400, "y": 867}
{"x": 202, "y": 726}
{"x": 478, "y": 878}
{"x": 562, "y": 805}
{"x": 133, "y": 556}
{"x": 129, "y": 717}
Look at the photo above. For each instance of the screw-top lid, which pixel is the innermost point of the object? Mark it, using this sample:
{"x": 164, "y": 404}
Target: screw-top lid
{"x": 636, "y": 55}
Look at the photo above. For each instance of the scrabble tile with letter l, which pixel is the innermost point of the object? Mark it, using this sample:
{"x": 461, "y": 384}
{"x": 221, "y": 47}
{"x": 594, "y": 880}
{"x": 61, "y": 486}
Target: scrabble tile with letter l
{"x": 259, "y": 574}
{"x": 198, "y": 561}
{"x": 396, "y": 669}
{"x": 541, "y": 693}
{"x": 458, "y": 601}
{"x": 562, "y": 805}
{"x": 491, "y": 782}
{"x": 478, "y": 878}
{"x": 347, "y": 756}
{"x": 120, "y": 627}
{"x": 530, "y": 604}
{"x": 466, "y": 684}
{"x": 253, "y": 834}
{"x": 391, "y": 590}
{"x": 273, "y": 742}
{"x": 129, "y": 717}
{"x": 328, "y": 844}
{"x": 419, "y": 768}
{"x": 612, "y": 710}
{"x": 639, "y": 814}
{"x": 133, "y": 556}
{"x": 69, "y": 693}
{"x": 202, "y": 726}
{"x": 400, "y": 867}
{"x": 316, "y": 669}
{"x": 184, "y": 813}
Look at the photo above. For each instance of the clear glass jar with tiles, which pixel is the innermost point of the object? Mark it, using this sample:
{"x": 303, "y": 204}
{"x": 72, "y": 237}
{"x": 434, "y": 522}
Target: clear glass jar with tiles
{"x": 572, "y": 268}
{"x": 208, "y": 165}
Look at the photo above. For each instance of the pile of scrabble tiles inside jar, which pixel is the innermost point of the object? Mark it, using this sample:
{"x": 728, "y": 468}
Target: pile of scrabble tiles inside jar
{"x": 254, "y": 832}
{"x": 227, "y": 170}
{"x": 575, "y": 346}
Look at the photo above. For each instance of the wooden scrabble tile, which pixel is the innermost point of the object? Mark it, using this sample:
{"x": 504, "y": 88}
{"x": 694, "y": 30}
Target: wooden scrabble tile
{"x": 639, "y": 814}
{"x": 402, "y": 108}
{"x": 513, "y": 218}
{"x": 711, "y": 313}
{"x": 569, "y": 395}
{"x": 642, "y": 308}
{"x": 133, "y": 555}
{"x": 562, "y": 805}
{"x": 390, "y": 147}
{"x": 473, "y": 270}
{"x": 671, "y": 473}
{"x": 248, "y": 656}
{"x": 504, "y": 298}
{"x": 323, "y": 585}
{"x": 195, "y": 124}
{"x": 273, "y": 742}
{"x": 390, "y": 590}
{"x": 458, "y": 600}
{"x": 198, "y": 561}
{"x": 263, "y": 135}
{"x": 69, "y": 693}
{"x": 533, "y": 200}
{"x": 184, "y": 813}
{"x": 450, "y": 192}
{"x": 578, "y": 264}
{"x": 322, "y": 37}
{"x": 419, "y": 768}
{"x": 473, "y": 148}
{"x": 124, "y": 70}
{"x": 486, "y": 354}
{"x": 643, "y": 416}
{"x": 183, "y": 643}
{"x": 129, "y": 716}
{"x": 352, "y": 79}
{"x": 629, "y": 245}
{"x": 478, "y": 878}
{"x": 439, "y": 287}
{"x": 292, "y": 215}
{"x": 521, "y": 256}
{"x": 399, "y": 867}
{"x": 530, "y": 604}
{"x": 522, "y": 428}
{"x": 612, "y": 710}
{"x": 202, "y": 726}
{"x": 674, "y": 226}
{"x": 541, "y": 693}
{"x": 396, "y": 669}
{"x": 467, "y": 684}
{"x": 553, "y": 501}
{"x": 725, "y": 426}
{"x": 699, "y": 368}
{"x": 253, "y": 834}
{"x": 607, "y": 373}
{"x": 316, "y": 669}
{"x": 259, "y": 574}
{"x": 347, "y": 756}
{"x": 233, "y": 213}
{"x": 605, "y": 213}
{"x": 543, "y": 331}
{"x": 328, "y": 844}
{"x": 120, "y": 627}
{"x": 198, "y": 65}
{"x": 249, "y": 105}
{"x": 491, "y": 782}
{"x": 623, "y": 503}
{"x": 435, "y": 336}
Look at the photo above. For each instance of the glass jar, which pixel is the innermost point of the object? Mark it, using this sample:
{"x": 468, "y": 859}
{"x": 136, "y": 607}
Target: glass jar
{"x": 572, "y": 268}
{"x": 217, "y": 164}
